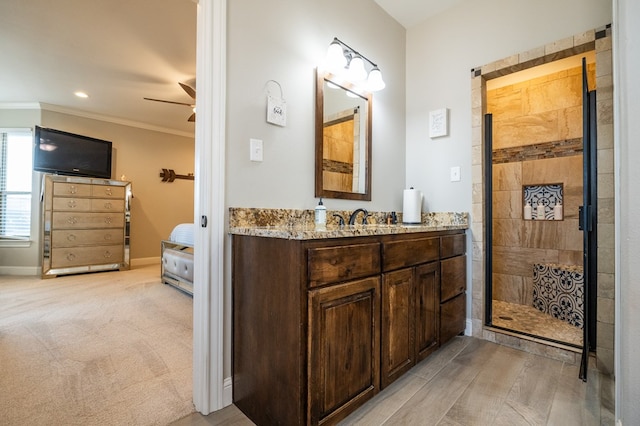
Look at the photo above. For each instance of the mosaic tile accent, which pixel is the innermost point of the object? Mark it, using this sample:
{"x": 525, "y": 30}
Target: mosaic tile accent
{"x": 559, "y": 291}
{"x": 547, "y": 195}
{"x": 538, "y": 151}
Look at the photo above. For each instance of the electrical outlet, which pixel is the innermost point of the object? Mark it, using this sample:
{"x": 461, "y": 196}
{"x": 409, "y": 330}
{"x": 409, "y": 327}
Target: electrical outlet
{"x": 455, "y": 174}
{"x": 255, "y": 149}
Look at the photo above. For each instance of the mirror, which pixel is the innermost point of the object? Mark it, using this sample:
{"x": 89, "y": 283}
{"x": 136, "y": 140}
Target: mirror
{"x": 343, "y": 140}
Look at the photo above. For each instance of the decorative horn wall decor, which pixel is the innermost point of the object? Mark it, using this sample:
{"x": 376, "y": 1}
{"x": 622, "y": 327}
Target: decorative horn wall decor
{"x": 169, "y": 175}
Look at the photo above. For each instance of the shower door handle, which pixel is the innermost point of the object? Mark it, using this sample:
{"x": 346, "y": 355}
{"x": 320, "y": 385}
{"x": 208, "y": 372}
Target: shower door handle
{"x": 581, "y": 218}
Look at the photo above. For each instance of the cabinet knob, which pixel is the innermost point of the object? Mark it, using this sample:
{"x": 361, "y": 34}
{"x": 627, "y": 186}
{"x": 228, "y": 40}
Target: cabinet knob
{"x": 107, "y": 205}
{"x": 71, "y": 237}
{"x": 73, "y": 189}
{"x": 108, "y": 219}
{"x": 72, "y": 203}
{"x": 107, "y": 237}
{"x": 71, "y": 256}
{"x": 72, "y": 220}
{"x": 108, "y": 191}
{"x": 107, "y": 254}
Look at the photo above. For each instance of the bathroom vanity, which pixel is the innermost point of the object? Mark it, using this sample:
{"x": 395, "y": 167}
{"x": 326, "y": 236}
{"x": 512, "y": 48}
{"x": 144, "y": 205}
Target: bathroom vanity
{"x": 322, "y": 321}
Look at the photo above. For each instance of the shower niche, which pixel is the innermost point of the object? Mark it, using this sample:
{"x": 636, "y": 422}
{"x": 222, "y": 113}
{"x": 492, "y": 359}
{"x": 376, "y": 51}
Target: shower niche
{"x": 543, "y": 202}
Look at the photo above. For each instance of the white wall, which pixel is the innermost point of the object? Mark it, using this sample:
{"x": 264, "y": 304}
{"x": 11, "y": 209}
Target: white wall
{"x": 627, "y": 90}
{"x": 285, "y": 41}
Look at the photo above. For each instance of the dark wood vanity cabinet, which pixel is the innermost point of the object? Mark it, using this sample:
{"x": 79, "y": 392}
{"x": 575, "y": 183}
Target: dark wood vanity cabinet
{"x": 319, "y": 326}
{"x": 453, "y": 284}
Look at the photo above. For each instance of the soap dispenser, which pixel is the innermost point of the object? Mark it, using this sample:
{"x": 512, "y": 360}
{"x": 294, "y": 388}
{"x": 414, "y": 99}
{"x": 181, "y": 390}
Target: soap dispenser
{"x": 540, "y": 211}
{"x": 527, "y": 211}
{"x": 320, "y": 216}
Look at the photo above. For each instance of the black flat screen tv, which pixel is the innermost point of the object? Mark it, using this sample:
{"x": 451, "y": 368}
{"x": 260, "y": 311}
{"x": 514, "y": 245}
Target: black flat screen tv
{"x": 69, "y": 154}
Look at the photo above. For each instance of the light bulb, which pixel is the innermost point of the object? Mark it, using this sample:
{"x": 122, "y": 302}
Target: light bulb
{"x": 336, "y": 60}
{"x": 375, "y": 81}
{"x": 357, "y": 73}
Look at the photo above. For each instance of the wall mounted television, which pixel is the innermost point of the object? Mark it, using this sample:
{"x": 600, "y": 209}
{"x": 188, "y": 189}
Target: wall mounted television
{"x": 66, "y": 153}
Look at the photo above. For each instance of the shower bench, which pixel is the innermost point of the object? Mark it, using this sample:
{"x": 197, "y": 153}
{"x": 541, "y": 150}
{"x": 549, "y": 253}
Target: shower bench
{"x": 558, "y": 290}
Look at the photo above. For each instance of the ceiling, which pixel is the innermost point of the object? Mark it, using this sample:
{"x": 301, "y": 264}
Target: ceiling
{"x": 118, "y": 52}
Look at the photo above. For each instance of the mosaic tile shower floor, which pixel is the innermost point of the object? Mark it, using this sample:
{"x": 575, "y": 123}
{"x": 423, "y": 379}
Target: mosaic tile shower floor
{"x": 527, "y": 319}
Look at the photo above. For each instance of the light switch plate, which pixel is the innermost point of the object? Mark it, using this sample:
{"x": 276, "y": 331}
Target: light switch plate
{"x": 455, "y": 174}
{"x": 276, "y": 111}
{"x": 255, "y": 149}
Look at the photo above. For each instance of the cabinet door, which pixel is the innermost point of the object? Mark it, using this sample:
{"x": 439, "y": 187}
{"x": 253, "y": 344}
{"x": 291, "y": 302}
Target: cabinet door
{"x": 344, "y": 347}
{"x": 427, "y": 284}
{"x": 398, "y": 325}
{"x": 452, "y": 318}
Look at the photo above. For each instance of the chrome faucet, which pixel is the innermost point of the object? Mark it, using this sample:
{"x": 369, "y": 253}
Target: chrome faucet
{"x": 354, "y": 215}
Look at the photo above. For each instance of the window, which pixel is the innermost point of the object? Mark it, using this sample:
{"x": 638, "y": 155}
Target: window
{"x": 16, "y": 170}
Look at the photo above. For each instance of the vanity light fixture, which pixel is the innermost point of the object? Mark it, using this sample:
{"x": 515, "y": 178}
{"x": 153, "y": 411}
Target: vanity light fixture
{"x": 345, "y": 62}
{"x": 81, "y": 94}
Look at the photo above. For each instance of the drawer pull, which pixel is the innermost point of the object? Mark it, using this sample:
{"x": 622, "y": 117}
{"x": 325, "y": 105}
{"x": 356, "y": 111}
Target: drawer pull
{"x": 107, "y": 254}
{"x": 73, "y": 189}
{"x": 71, "y": 237}
{"x": 72, "y": 203}
{"x": 71, "y": 256}
{"x": 108, "y": 220}
{"x": 107, "y": 205}
{"x": 72, "y": 220}
{"x": 108, "y": 191}
{"x": 107, "y": 237}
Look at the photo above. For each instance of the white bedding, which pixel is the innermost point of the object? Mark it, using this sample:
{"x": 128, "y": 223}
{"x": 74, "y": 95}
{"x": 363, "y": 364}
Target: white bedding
{"x": 177, "y": 258}
{"x": 183, "y": 234}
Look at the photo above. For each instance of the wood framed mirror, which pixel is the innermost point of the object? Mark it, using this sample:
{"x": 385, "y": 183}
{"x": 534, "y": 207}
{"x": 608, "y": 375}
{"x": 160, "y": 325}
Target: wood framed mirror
{"x": 343, "y": 139}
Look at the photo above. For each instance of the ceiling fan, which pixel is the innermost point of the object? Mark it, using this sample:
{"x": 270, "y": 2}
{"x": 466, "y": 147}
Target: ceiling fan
{"x": 190, "y": 91}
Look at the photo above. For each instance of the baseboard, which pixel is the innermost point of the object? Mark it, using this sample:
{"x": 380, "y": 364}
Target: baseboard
{"x": 227, "y": 392}
{"x": 20, "y": 270}
{"x": 145, "y": 261}
{"x": 468, "y": 330}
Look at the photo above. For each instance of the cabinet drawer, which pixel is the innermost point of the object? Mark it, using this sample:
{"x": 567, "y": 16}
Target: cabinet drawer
{"x": 403, "y": 253}
{"x": 72, "y": 204}
{"x": 452, "y": 245}
{"x": 74, "y": 189}
{"x": 69, "y": 220}
{"x": 107, "y": 205}
{"x": 108, "y": 191}
{"x": 88, "y": 237}
{"x": 82, "y": 256}
{"x": 341, "y": 263}
{"x": 452, "y": 318}
{"x": 453, "y": 277}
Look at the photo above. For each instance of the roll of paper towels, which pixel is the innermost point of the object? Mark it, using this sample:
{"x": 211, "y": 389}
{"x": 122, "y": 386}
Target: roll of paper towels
{"x": 412, "y": 206}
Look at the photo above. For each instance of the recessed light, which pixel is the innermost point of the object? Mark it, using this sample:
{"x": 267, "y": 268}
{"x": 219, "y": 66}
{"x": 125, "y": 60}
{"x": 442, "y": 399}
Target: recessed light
{"x": 81, "y": 94}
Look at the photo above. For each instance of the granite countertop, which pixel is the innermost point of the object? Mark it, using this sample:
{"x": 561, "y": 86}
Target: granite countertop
{"x": 308, "y": 232}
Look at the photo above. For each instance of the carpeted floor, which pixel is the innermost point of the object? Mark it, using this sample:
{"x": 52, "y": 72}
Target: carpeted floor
{"x": 110, "y": 348}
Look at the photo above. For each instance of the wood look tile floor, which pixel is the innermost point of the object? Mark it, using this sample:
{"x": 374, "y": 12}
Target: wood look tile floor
{"x": 473, "y": 382}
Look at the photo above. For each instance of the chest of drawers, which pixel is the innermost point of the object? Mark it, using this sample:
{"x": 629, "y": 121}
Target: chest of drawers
{"x": 85, "y": 225}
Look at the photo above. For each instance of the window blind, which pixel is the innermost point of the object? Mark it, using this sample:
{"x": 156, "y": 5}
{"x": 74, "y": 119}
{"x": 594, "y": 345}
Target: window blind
{"x": 16, "y": 170}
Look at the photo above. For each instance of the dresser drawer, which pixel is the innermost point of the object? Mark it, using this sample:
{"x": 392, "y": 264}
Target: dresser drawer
{"x": 453, "y": 277}
{"x": 86, "y": 237}
{"x": 403, "y": 253}
{"x": 107, "y": 205}
{"x": 73, "y": 189}
{"x": 82, "y": 256}
{"x": 69, "y": 220}
{"x": 342, "y": 263}
{"x": 107, "y": 191}
{"x": 71, "y": 204}
{"x": 452, "y": 245}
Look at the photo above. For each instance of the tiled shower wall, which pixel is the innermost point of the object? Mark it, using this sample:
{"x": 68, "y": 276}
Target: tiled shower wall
{"x": 600, "y": 39}
{"x": 537, "y": 140}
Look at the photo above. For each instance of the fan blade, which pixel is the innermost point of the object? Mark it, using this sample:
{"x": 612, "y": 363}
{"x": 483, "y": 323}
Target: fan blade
{"x": 169, "y": 102}
{"x": 190, "y": 91}
{"x": 192, "y": 117}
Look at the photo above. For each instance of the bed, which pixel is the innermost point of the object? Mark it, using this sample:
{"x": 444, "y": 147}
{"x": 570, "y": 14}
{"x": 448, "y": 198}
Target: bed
{"x": 177, "y": 258}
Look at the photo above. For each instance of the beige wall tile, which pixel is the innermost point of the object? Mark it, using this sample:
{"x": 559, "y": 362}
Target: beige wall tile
{"x": 568, "y": 257}
{"x": 605, "y": 111}
{"x": 605, "y": 185}
{"x": 507, "y": 233}
{"x": 476, "y": 172}
{"x": 477, "y": 193}
{"x": 565, "y": 170}
{"x": 603, "y": 44}
{"x": 507, "y": 204}
{"x": 606, "y": 310}
{"x": 605, "y": 334}
{"x": 509, "y": 288}
{"x": 603, "y": 63}
{"x": 476, "y": 117}
{"x": 584, "y": 38}
{"x": 541, "y": 234}
{"x": 605, "y": 360}
{"x": 606, "y": 235}
{"x": 529, "y": 55}
{"x": 558, "y": 46}
{"x": 507, "y": 177}
{"x": 520, "y": 261}
{"x": 606, "y": 285}
{"x": 526, "y": 130}
{"x": 605, "y": 136}
{"x": 476, "y": 136}
{"x": 570, "y": 123}
{"x": 606, "y": 261}
{"x": 476, "y": 155}
{"x": 605, "y": 160}
{"x": 606, "y": 209}
{"x": 604, "y": 87}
